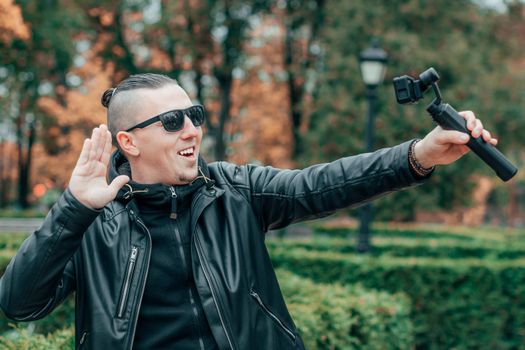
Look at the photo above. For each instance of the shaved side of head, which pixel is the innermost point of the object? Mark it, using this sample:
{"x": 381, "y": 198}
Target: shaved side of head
{"x": 124, "y": 102}
{"x": 123, "y": 111}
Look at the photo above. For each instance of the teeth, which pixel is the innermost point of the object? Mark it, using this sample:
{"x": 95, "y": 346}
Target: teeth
{"x": 187, "y": 151}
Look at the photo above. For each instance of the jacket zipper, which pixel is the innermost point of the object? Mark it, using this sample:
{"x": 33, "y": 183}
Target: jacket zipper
{"x": 175, "y": 228}
{"x": 173, "y": 213}
{"x": 82, "y": 339}
{"x": 127, "y": 281}
{"x": 272, "y": 315}
{"x": 143, "y": 284}
{"x": 211, "y": 289}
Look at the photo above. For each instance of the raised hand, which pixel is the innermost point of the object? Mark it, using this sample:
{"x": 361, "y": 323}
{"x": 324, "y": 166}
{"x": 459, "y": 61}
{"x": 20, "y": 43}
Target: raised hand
{"x": 88, "y": 180}
{"x": 446, "y": 146}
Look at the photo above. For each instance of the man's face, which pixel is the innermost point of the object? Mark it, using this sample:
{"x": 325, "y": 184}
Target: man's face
{"x": 165, "y": 157}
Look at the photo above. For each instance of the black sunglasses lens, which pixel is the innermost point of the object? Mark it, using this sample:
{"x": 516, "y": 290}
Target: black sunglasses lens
{"x": 172, "y": 121}
{"x": 196, "y": 115}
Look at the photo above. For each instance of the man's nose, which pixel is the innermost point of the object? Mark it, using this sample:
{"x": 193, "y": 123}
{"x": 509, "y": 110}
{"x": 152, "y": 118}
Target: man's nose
{"x": 189, "y": 130}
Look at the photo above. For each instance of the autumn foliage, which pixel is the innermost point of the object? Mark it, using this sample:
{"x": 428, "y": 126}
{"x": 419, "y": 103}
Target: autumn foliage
{"x": 11, "y": 22}
{"x": 280, "y": 81}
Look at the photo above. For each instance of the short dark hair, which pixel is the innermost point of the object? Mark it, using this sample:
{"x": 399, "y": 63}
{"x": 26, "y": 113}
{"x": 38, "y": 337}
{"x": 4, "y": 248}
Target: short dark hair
{"x": 120, "y": 105}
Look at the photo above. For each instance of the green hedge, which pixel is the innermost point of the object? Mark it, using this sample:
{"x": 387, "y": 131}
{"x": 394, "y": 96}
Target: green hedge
{"x": 63, "y": 316}
{"x": 411, "y": 247}
{"x": 456, "y": 303}
{"x": 11, "y": 241}
{"x": 22, "y": 339}
{"x": 489, "y": 234}
{"x": 328, "y": 316}
{"x": 347, "y": 317}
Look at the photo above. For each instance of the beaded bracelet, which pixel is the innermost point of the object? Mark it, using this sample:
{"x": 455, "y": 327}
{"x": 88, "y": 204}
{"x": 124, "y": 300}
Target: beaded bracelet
{"x": 414, "y": 164}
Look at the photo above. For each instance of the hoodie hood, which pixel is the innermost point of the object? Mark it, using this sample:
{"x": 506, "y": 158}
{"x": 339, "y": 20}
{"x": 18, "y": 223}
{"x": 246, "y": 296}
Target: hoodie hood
{"x": 156, "y": 193}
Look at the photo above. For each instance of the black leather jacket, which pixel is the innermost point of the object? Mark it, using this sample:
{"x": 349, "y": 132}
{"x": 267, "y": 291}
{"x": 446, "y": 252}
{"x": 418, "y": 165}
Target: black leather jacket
{"x": 104, "y": 255}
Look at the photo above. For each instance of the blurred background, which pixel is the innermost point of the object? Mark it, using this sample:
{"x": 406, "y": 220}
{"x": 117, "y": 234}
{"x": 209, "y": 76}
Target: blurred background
{"x": 280, "y": 80}
{"x": 282, "y": 85}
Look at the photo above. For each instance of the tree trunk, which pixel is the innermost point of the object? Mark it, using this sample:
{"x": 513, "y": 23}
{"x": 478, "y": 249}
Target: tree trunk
{"x": 4, "y": 175}
{"x": 294, "y": 89}
{"x": 225, "y": 86}
{"x": 24, "y": 160}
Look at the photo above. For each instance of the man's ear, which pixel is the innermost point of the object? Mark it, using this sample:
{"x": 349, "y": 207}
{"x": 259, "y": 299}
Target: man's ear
{"x": 127, "y": 143}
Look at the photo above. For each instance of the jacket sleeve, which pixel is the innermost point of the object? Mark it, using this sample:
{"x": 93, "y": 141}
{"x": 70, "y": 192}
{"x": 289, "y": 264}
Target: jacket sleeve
{"x": 281, "y": 197}
{"x": 41, "y": 274}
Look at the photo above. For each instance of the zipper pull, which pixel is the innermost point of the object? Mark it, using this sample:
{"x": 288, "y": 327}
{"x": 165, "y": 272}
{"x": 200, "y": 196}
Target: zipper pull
{"x": 173, "y": 214}
{"x": 134, "y": 252}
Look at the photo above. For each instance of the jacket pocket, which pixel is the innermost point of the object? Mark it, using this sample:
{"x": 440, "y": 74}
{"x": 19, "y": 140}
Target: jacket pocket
{"x": 128, "y": 278}
{"x": 272, "y": 316}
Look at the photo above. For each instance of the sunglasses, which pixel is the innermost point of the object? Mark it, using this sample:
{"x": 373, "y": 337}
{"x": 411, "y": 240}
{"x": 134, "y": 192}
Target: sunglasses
{"x": 174, "y": 120}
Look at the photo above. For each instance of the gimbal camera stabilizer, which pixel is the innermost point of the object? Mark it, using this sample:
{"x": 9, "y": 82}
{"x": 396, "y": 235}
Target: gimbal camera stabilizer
{"x": 410, "y": 90}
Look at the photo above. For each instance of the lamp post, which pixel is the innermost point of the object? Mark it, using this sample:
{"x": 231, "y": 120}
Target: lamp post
{"x": 373, "y": 66}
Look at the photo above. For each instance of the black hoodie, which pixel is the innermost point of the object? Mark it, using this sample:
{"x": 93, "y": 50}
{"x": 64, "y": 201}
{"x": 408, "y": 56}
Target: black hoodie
{"x": 171, "y": 314}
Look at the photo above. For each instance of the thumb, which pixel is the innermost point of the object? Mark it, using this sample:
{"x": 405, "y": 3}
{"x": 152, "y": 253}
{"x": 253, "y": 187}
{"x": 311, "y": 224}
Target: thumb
{"x": 452, "y": 136}
{"x": 117, "y": 183}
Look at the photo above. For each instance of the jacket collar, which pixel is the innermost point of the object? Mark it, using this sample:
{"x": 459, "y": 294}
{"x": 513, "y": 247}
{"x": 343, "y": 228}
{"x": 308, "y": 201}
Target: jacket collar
{"x": 119, "y": 165}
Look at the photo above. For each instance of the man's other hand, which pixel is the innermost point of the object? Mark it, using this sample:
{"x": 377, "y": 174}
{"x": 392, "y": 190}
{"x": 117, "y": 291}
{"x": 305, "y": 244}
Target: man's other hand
{"x": 441, "y": 146}
{"x": 88, "y": 181}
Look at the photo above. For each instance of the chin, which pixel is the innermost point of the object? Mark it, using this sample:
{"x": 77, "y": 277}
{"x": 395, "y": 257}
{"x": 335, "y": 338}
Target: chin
{"x": 189, "y": 176}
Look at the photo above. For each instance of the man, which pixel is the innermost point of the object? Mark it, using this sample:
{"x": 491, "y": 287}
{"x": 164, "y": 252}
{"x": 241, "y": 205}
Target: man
{"x": 170, "y": 254}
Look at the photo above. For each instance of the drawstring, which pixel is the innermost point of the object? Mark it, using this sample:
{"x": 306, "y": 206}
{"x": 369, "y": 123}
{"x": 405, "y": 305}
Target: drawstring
{"x": 130, "y": 192}
{"x": 209, "y": 182}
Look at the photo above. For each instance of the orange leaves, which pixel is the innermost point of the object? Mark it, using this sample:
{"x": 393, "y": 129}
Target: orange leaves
{"x": 11, "y": 22}
{"x": 83, "y": 111}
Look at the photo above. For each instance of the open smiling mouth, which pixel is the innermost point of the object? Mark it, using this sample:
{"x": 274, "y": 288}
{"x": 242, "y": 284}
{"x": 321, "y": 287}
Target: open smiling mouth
{"x": 188, "y": 152}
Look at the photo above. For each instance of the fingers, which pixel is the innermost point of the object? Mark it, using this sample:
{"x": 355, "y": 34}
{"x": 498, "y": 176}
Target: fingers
{"x": 488, "y": 138}
{"x": 95, "y": 144}
{"x": 476, "y": 127}
{"x": 118, "y": 182}
{"x": 84, "y": 154}
{"x": 100, "y": 144}
{"x": 470, "y": 117}
{"x": 107, "y": 148}
{"x": 452, "y": 136}
{"x": 473, "y": 124}
{"x": 102, "y": 140}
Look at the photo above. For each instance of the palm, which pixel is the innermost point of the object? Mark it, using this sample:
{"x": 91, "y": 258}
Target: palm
{"x": 88, "y": 180}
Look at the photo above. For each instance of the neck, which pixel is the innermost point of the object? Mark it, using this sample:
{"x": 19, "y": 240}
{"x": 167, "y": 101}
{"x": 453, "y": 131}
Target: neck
{"x": 149, "y": 175}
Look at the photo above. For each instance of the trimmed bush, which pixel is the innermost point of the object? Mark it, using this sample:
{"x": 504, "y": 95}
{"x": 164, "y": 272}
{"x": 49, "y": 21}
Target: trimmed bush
{"x": 411, "y": 247}
{"x": 328, "y": 316}
{"x": 11, "y": 241}
{"x": 22, "y": 339}
{"x": 63, "y": 316}
{"x": 456, "y": 303}
{"x": 347, "y": 317}
{"x": 509, "y": 236}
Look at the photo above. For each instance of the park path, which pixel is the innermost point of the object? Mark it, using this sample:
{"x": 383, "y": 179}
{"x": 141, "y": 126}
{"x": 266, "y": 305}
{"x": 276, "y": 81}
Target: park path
{"x": 26, "y": 225}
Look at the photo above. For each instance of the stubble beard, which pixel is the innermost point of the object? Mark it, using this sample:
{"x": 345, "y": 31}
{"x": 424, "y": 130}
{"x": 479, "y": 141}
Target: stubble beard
{"x": 189, "y": 174}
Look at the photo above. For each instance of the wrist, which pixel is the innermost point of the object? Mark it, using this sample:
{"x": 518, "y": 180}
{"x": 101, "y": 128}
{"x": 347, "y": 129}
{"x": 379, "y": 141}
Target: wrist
{"x": 419, "y": 155}
{"x": 418, "y": 163}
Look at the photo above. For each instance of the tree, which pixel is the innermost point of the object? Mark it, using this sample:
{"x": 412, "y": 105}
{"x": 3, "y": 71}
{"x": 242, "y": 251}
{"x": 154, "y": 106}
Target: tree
{"x": 303, "y": 22}
{"x": 464, "y": 45}
{"x": 36, "y": 66}
{"x": 11, "y": 22}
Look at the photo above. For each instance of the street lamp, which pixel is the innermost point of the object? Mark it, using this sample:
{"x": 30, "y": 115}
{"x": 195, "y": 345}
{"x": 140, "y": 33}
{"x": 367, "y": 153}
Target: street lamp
{"x": 373, "y": 66}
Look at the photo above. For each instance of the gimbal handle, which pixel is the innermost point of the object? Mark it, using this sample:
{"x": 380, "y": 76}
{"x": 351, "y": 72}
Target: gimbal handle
{"x": 448, "y": 118}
